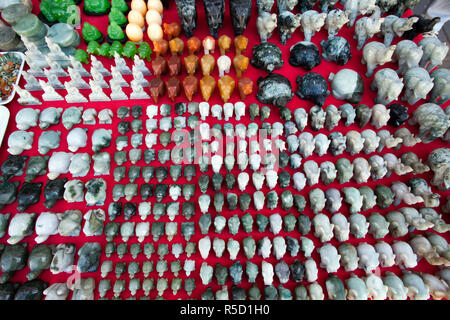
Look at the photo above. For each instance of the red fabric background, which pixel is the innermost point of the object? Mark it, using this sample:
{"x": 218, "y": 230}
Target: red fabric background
{"x": 325, "y": 68}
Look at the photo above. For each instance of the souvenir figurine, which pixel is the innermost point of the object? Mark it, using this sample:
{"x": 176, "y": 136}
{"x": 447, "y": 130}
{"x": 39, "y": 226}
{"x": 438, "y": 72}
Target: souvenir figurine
{"x": 304, "y": 54}
{"x": 418, "y": 84}
{"x": 274, "y": 89}
{"x": 240, "y": 11}
{"x": 140, "y": 65}
{"x": 214, "y": 11}
{"x": 434, "y": 52}
{"x": 193, "y": 44}
{"x": 312, "y": 86}
{"x": 336, "y": 19}
{"x": 312, "y": 22}
{"x": 336, "y": 49}
{"x": 394, "y": 26}
{"x": 172, "y": 30}
{"x": 207, "y": 86}
{"x": 224, "y": 43}
{"x": 49, "y": 92}
{"x": 388, "y": 85}
{"x": 161, "y": 47}
{"x": 240, "y": 63}
{"x": 226, "y": 86}
{"x": 440, "y": 93}
{"x": 121, "y": 65}
{"x": 266, "y": 24}
{"x": 432, "y": 121}
{"x": 347, "y": 85}
{"x": 367, "y": 27}
{"x": 117, "y": 92}
{"x": 138, "y": 91}
{"x": 376, "y": 54}
{"x": 240, "y": 44}
{"x": 73, "y": 94}
{"x": 245, "y": 86}
{"x": 357, "y": 7}
{"x": 98, "y": 65}
{"x": 97, "y": 93}
{"x": 421, "y": 26}
{"x": 287, "y": 24}
{"x": 267, "y": 56}
{"x": 25, "y": 97}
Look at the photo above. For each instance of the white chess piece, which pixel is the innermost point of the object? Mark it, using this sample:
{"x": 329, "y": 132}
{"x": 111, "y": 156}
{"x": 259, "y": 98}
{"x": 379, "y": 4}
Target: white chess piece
{"x": 55, "y": 67}
{"x": 73, "y": 94}
{"x": 76, "y": 65}
{"x": 138, "y": 92}
{"x": 49, "y": 92}
{"x": 76, "y": 79}
{"x": 98, "y": 78}
{"x": 32, "y": 83}
{"x": 117, "y": 92}
{"x": 25, "y": 98}
{"x": 53, "y": 80}
{"x": 97, "y": 93}
{"x": 98, "y": 65}
{"x": 140, "y": 65}
{"x": 117, "y": 78}
{"x": 138, "y": 77}
{"x": 121, "y": 64}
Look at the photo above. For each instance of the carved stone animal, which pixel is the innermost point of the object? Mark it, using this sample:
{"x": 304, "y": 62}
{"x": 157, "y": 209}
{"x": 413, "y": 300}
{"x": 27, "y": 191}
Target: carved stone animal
{"x": 367, "y": 27}
{"x": 312, "y": 21}
{"x": 388, "y": 84}
{"x": 422, "y": 26}
{"x": 395, "y": 26}
{"x": 240, "y": 11}
{"x": 434, "y": 52}
{"x": 187, "y": 13}
{"x": 408, "y": 55}
{"x": 441, "y": 89}
{"x": 376, "y": 54}
{"x": 357, "y": 7}
{"x": 264, "y": 5}
{"x": 418, "y": 84}
{"x": 287, "y": 24}
{"x": 305, "y": 5}
{"x": 403, "y": 5}
{"x": 432, "y": 121}
{"x": 266, "y": 23}
{"x": 327, "y": 5}
{"x": 214, "y": 10}
{"x": 336, "y": 19}
{"x": 336, "y": 49}
{"x": 283, "y": 5}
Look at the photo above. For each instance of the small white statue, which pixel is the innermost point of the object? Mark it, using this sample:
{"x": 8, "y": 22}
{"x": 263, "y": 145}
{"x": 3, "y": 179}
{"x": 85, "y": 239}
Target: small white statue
{"x": 25, "y": 97}
{"x": 55, "y": 67}
{"x": 140, "y": 65}
{"x": 224, "y": 65}
{"x": 53, "y": 80}
{"x": 367, "y": 27}
{"x": 77, "y": 66}
{"x": 408, "y": 55}
{"x": 49, "y": 92}
{"x": 98, "y": 78}
{"x": 76, "y": 79}
{"x": 121, "y": 64}
{"x": 32, "y": 83}
{"x": 34, "y": 69}
{"x": 266, "y": 24}
{"x": 434, "y": 52}
{"x": 73, "y": 94}
{"x": 97, "y": 93}
{"x": 388, "y": 84}
{"x": 312, "y": 21}
{"x": 357, "y": 7}
{"x": 138, "y": 78}
{"x": 376, "y": 54}
{"x": 138, "y": 92}
{"x": 336, "y": 19}
{"x": 97, "y": 65}
{"x": 117, "y": 92}
{"x": 117, "y": 78}
{"x": 55, "y": 50}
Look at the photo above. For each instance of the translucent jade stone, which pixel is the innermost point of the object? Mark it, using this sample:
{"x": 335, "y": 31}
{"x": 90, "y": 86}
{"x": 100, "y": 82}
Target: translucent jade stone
{"x": 116, "y": 46}
{"x": 115, "y": 32}
{"x": 93, "y": 47}
{"x": 129, "y": 50}
{"x": 245, "y": 87}
{"x": 91, "y": 33}
{"x": 105, "y": 50}
{"x": 240, "y": 43}
{"x": 224, "y": 44}
{"x": 96, "y": 7}
{"x": 240, "y": 63}
{"x": 120, "y": 4}
{"x": 194, "y": 44}
{"x": 207, "y": 63}
{"x": 115, "y": 15}
{"x": 81, "y": 56}
{"x": 145, "y": 51}
{"x": 207, "y": 86}
{"x": 57, "y": 10}
{"x": 191, "y": 63}
{"x": 160, "y": 47}
{"x": 226, "y": 87}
